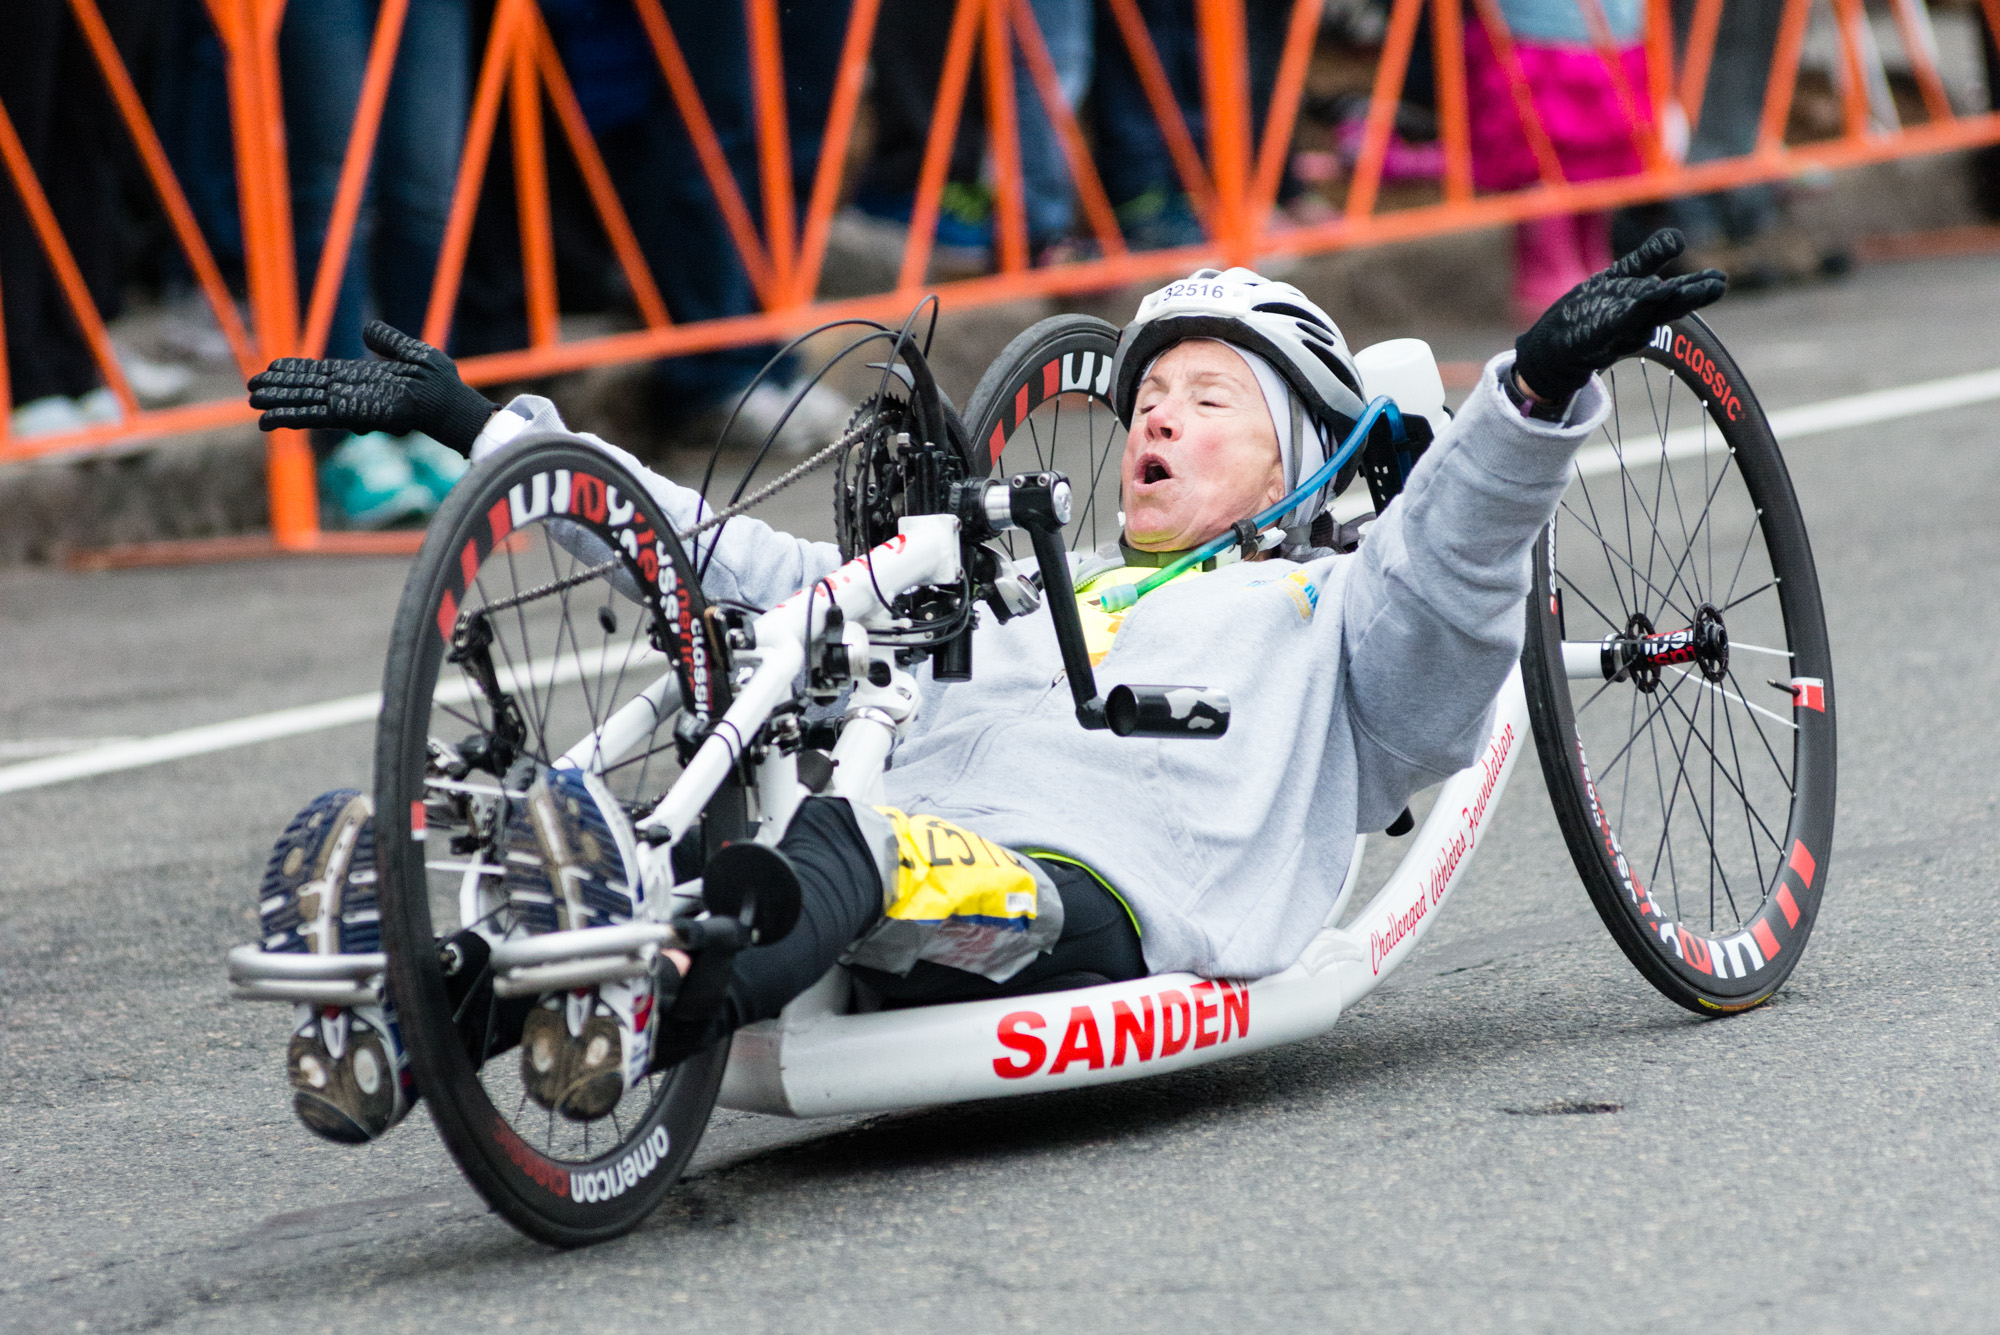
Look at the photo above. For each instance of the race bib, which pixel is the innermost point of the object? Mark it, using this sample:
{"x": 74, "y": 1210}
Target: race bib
{"x": 961, "y": 900}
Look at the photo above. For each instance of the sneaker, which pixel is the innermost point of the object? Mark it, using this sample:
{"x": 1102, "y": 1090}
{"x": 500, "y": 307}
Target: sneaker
{"x": 963, "y": 241}
{"x": 50, "y": 415}
{"x": 373, "y": 483}
{"x": 436, "y": 467}
{"x": 580, "y": 1051}
{"x": 1160, "y": 219}
{"x": 349, "y": 1075}
{"x": 572, "y": 862}
{"x": 99, "y": 407}
{"x": 155, "y": 384}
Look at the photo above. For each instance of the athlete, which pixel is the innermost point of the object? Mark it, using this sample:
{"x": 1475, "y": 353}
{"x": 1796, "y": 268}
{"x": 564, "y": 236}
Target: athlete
{"x": 1357, "y": 681}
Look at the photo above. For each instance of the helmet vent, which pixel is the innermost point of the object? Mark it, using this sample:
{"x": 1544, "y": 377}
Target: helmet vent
{"x": 1298, "y": 313}
{"x": 1342, "y": 373}
{"x": 1314, "y": 331}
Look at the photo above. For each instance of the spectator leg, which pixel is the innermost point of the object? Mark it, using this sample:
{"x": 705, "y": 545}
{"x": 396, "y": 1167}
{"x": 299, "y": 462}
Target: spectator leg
{"x": 674, "y": 215}
{"x": 416, "y": 161}
{"x": 45, "y": 351}
{"x": 909, "y": 47}
{"x": 323, "y": 52}
{"x": 1066, "y": 27}
{"x": 1732, "y": 108}
{"x": 1986, "y": 162}
{"x": 190, "y": 104}
{"x": 1138, "y": 173}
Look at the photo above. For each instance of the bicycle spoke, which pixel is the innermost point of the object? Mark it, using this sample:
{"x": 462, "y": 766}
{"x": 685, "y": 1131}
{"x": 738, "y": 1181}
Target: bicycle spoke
{"x": 1648, "y": 719}
{"x": 1769, "y": 750}
{"x": 1594, "y": 528}
{"x": 1668, "y": 805}
{"x": 1750, "y": 806}
{"x": 1707, "y": 685}
{"x": 1638, "y": 576}
{"x": 1614, "y": 626}
{"x": 1769, "y": 584}
{"x": 1749, "y": 817}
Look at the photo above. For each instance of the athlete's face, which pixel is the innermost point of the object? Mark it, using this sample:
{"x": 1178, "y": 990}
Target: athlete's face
{"x": 1202, "y": 452}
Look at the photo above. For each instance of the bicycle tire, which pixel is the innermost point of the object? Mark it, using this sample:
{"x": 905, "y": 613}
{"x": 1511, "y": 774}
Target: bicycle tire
{"x": 1733, "y": 951}
{"x": 488, "y": 542}
{"x": 1064, "y": 360}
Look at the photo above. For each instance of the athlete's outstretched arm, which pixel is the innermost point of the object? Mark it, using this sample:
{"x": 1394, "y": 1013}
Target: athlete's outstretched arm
{"x": 416, "y": 387}
{"x": 752, "y": 561}
{"x": 1434, "y": 609}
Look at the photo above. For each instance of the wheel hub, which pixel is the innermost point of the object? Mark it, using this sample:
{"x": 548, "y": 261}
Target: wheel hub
{"x": 1639, "y": 652}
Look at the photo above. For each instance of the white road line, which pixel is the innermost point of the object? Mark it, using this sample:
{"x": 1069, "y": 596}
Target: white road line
{"x": 1810, "y": 419}
{"x": 351, "y": 709}
{"x": 191, "y": 742}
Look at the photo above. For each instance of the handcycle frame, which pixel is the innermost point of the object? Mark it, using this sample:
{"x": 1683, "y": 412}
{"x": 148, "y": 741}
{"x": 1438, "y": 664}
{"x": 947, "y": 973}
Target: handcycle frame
{"x": 820, "y": 1059}
{"x": 816, "y": 1059}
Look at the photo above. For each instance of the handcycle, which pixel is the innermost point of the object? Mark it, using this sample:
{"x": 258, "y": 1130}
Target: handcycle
{"x": 554, "y": 616}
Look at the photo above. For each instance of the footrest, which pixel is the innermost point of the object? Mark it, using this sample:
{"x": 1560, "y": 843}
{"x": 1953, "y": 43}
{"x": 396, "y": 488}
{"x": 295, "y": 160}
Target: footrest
{"x": 582, "y": 957}
{"x": 318, "y": 980}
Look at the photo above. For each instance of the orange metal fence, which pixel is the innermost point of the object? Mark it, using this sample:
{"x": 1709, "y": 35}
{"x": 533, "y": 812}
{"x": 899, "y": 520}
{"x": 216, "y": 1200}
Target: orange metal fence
{"x": 1232, "y": 180}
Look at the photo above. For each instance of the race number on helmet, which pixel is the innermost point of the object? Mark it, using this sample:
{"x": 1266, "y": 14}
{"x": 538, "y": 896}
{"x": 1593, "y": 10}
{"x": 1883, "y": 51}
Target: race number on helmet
{"x": 1275, "y": 321}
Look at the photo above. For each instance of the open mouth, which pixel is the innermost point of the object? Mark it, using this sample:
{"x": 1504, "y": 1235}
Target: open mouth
{"x": 1151, "y": 471}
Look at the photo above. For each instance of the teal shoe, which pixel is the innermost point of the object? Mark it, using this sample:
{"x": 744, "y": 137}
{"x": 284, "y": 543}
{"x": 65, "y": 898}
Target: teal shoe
{"x": 437, "y": 467}
{"x": 373, "y": 483}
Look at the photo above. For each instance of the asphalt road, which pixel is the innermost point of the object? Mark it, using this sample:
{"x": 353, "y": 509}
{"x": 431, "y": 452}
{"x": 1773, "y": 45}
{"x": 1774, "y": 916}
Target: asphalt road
{"x": 1825, "y": 1163}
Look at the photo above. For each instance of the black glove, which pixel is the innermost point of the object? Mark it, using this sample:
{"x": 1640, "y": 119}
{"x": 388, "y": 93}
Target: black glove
{"x": 1607, "y": 316}
{"x": 416, "y": 389}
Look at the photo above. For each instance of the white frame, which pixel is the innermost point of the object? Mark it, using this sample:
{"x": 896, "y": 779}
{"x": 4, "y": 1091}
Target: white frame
{"x": 817, "y": 1059}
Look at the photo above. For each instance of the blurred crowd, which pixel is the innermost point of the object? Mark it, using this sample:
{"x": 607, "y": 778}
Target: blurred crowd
{"x": 77, "y": 144}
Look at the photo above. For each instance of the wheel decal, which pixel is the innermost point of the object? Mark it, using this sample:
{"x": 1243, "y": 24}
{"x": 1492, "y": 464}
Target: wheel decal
{"x": 1801, "y": 862}
{"x": 1808, "y": 693}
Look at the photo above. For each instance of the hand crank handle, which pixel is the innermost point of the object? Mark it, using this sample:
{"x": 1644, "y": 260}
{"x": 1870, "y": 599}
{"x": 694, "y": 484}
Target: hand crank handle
{"x": 1040, "y": 503}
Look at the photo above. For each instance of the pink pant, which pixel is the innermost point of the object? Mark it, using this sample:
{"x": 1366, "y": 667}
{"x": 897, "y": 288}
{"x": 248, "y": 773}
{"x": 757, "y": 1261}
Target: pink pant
{"x": 1579, "y": 111}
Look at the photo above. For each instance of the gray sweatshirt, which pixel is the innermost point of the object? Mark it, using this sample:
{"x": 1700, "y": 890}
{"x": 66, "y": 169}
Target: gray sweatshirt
{"x": 1355, "y": 681}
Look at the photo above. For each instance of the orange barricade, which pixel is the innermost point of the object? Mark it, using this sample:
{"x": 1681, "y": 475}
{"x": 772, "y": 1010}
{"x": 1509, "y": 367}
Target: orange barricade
{"x": 1232, "y": 180}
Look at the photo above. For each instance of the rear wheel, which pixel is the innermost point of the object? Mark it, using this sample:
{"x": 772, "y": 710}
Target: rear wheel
{"x": 1044, "y": 405}
{"x": 550, "y": 594}
{"x": 1680, "y": 681}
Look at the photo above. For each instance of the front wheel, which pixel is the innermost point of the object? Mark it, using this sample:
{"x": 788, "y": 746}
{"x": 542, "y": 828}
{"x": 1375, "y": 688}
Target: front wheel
{"x": 1680, "y": 683}
{"x": 549, "y": 599}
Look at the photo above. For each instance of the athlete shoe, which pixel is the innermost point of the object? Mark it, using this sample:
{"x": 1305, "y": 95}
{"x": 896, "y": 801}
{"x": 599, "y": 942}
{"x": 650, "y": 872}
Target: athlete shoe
{"x": 350, "y": 1077}
{"x": 580, "y": 1051}
{"x": 572, "y": 862}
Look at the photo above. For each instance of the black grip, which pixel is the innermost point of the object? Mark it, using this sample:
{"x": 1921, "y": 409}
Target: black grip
{"x": 1167, "y": 711}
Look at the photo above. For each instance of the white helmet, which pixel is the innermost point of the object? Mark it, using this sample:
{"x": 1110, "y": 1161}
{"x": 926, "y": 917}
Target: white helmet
{"x": 1274, "y": 320}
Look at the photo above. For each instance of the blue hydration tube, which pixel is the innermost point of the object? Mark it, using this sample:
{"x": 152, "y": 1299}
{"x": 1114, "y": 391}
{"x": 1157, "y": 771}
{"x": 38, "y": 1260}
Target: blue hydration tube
{"x": 1121, "y": 596}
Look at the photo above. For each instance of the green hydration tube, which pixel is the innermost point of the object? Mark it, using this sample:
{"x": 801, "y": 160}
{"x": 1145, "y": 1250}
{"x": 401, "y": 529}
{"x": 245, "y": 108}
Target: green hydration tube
{"x": 1121, "y": 596}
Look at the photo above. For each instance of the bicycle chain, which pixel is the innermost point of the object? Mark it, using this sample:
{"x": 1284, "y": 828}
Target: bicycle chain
{"x": 540, "y": 591}
{"x": 810, "y": 465}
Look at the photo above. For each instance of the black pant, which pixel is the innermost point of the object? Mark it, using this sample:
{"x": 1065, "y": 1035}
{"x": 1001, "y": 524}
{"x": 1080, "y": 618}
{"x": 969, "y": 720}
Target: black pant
{"x": 77, "y": 146}
{"x": 842, "y": 894}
